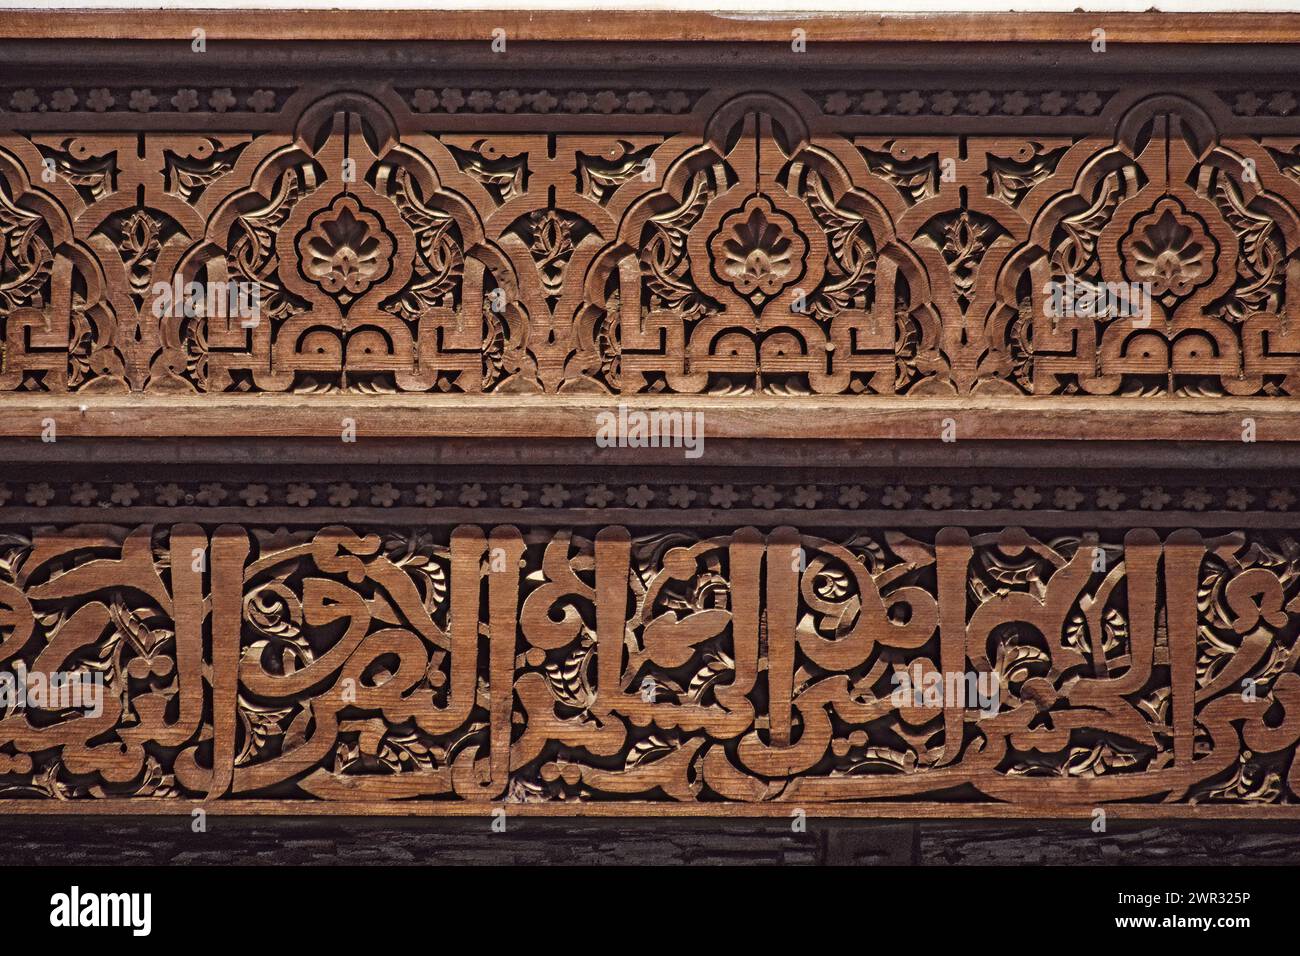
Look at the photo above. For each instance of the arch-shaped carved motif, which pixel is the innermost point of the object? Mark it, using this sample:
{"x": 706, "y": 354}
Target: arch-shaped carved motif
{"x": 754, "y": 242}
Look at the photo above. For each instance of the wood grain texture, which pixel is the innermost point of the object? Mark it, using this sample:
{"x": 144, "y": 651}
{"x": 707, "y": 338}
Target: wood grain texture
{"x": 436, "y": 416}
{"x": 461, "y": 669}
{"x": 350, "y": 540}
{"x": 567, "y": 26}
{"x": 408, "y": 258}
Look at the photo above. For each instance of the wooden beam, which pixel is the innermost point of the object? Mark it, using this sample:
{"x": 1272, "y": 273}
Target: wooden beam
{"x": 467, "y": 416}
{"x": 570, "y": 26}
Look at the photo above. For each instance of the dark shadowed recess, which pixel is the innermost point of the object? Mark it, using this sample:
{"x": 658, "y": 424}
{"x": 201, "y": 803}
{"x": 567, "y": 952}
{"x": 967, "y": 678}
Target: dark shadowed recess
{"x": 640, "y": 842}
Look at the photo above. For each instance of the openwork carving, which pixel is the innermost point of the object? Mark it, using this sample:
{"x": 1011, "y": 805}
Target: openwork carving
{"x": 756, "y": 243}
{"x": 412, "y": 255}
{"x": 1169, "y": 206}
{"x": 481, "y": 664}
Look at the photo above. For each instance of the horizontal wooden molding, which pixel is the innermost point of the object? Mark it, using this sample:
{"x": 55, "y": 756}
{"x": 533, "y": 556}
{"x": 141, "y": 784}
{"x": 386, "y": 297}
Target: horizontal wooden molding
{"x": 572, "y": 26}
{"x": 371, "y": 418}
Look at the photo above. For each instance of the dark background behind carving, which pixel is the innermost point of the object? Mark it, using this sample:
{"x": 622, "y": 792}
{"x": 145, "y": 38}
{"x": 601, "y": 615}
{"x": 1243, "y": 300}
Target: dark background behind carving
{"x": 74, "y": 841}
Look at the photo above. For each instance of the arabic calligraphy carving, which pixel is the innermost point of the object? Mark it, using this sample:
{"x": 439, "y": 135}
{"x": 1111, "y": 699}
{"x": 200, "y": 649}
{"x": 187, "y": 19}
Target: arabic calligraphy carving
{"x": 479, "y": 665}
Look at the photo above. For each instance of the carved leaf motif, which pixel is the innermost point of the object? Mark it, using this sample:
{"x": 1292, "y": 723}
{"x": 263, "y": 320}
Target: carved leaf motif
{"x": 1010, "y": 180}
{"x": 503, "y": 176}
{"x": 440, "y": 262}
{"x": 599, "y": 178}
{"x": 663, "y": 255}
{"x": 260, "y": 724}
{"x": 852, "y": 254}
{"x": 25, "y": 259}
{"x": 915, "y": 179}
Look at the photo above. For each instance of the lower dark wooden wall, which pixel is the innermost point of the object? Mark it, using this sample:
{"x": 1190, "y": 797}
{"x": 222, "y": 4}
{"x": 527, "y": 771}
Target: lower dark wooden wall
{"x": 360, "y": 841}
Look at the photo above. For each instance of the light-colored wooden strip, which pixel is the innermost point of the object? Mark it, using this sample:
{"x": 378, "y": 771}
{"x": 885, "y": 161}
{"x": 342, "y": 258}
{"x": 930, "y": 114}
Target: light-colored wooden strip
{"x": 650, "y": 26}
{"x": 465, "y": 416}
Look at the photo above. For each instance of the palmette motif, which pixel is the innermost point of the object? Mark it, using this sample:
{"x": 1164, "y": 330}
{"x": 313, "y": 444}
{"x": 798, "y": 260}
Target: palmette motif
{"x": 472, "y": 664}
{"x": 753, "y": 243}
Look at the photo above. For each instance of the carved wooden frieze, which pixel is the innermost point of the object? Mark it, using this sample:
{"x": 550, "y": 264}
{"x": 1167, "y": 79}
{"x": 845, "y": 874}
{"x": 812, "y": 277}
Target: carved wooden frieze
{"x": 744, "y": 242}
{"x": 319, "y": 349}
{"x": 440, "y": 666}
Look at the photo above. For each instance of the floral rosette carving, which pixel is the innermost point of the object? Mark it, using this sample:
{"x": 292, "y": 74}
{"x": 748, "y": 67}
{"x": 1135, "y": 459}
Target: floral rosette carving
{"x": 1169, "y": 248}
{"x": 758, "y": 250}
{"x": 345, "y": 249}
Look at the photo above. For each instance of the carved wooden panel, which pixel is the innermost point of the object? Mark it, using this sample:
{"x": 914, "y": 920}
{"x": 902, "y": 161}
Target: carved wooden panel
{"x": 754, "y": 242}
{"x": 452, "y": 665}
{"x": 305, "y": 346}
